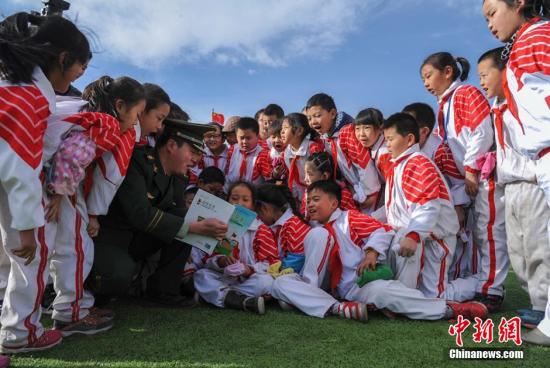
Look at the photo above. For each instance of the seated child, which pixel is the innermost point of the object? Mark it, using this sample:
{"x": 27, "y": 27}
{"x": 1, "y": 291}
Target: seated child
{"x": 240, "y": 280}
{"x": 301, "y": 141}
{"x": 357, "y": 243}
{"x": 319, "y": 167}
{"x": 248, "y": 160}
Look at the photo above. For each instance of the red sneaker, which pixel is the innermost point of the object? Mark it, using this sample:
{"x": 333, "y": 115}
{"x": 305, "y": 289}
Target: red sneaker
{"x": 49, "y": 339}
{"x": 469, "y": 310}
{"x": 352, "y": 310}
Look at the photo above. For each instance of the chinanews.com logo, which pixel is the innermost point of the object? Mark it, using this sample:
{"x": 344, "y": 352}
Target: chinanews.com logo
{"x": 509, "y": 330}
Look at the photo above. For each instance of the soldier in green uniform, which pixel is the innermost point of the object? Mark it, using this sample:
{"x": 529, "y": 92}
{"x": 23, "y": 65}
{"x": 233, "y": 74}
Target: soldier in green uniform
{"x": 143, "y": 218}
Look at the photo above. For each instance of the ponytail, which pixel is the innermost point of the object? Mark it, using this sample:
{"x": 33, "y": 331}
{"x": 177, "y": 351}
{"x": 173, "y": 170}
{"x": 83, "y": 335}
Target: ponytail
{"x": 102, "y": 94}
{"x": 28, "y": 41}
{"x": 280, "y": 197}
{"x": 441, "y": 60}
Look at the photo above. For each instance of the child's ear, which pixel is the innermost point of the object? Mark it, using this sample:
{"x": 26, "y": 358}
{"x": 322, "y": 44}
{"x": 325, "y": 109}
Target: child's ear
{"x": 411, "y": 140}
{"x": 325, "y": 176}
{"x": 333, "y": 113}
{"x": 448, "y": 72}
{"x": 120, "y": 106}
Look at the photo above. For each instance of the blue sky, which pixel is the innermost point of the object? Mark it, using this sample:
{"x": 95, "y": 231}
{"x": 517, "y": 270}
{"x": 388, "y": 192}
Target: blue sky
{"x": 237, "y": 56}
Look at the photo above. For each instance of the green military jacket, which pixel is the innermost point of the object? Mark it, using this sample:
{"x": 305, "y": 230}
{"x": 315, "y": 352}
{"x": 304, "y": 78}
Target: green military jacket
{"x": 145, "y": 202}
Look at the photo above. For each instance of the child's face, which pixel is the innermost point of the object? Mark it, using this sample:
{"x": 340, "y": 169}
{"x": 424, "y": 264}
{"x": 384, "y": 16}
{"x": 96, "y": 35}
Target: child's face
{"x": 242, "y": 196}
{"x": 214, "y": 140}
{"x": 151, "y": 121}
{"x": 503, "y": 20}
{"x": 231, "y": 138}
{"x": 313, "y": 174}
{"x": 320, "y": 119}
{"x": 286, "y": 133}
{"x": 397, "y": 144}
{"x": 278, "y": 143}
{"x": 436, "y": 81}
{"x": 265, "y": 122}
{"x": 61, "y": 77}
{"x": 490, "y": 78}
{"x": 128, "y": 116}
{"x": 367, "y": 134}
{"x": 212, "y": 188}
{"x": 247, "y": 139}
{"x": 320, "y": 205}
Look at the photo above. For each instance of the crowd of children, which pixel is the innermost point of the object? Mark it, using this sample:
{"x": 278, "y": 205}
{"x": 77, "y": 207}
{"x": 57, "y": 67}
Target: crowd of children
{"x": 418, "y": 214}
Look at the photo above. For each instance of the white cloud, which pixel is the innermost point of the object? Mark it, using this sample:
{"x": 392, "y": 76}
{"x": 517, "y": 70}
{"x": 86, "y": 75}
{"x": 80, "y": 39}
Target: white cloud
{"x": 152, "y": 33}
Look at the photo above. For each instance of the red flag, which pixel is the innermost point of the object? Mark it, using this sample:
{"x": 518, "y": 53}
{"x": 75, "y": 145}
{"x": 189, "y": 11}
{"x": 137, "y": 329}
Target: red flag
{"x": 218, "y": 118}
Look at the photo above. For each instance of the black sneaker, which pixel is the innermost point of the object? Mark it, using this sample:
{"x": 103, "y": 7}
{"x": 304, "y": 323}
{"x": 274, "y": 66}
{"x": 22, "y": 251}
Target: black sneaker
{"x": 491, "y": 301}
{"x": 235, "y": 300}
{"x": 89, "y": 325}
{"x": 47, "y": 299}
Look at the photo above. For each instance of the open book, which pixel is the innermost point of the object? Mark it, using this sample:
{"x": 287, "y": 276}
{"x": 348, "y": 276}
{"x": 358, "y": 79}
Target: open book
{"x": 237, "y": 218}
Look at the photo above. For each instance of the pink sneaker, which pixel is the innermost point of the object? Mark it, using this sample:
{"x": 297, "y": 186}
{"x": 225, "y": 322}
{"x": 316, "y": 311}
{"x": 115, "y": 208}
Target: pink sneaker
{"x": 49, "y": 339}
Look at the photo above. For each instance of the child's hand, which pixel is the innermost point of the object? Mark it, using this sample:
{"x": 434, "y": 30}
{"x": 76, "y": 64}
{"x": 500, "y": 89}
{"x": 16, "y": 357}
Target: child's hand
{"x": 472, "y": 183}
{"x": 369, "y": 262}
{"x": 248, "y": 271}
{"x": 225, "y": 261}
{"x": 407, "y": 247}
{"x": 209, "y": 227}
{"x": 93, "y": 226}
{"x": 52, "y": 208}
{"x": 28, "y": 246}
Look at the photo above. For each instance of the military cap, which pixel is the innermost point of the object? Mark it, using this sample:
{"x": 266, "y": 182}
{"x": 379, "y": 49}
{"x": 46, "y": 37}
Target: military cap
{"x": 191, "y": 133}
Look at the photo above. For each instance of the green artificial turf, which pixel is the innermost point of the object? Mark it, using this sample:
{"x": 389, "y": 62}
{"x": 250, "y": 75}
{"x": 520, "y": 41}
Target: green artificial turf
{"x": 211, "y": 337}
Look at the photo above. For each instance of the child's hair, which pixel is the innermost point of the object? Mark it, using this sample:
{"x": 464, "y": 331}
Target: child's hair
{"x": 298, "y": 120}
{"x": 323, "y": 162}
{"x": 155, "y": 96}
{"x": 495, "y": 56}
{"x": 247, "y": 123}
{"x": 370, "y": 116}
{"x": 404, "y": 124}
{"x": 274, "y": 109}
{"x": 321, "y": 99}
{"x": 102, "y": 94}
{"x": 532, "y": 8}
{"x": 441, "y": 60}
{"x": 278, "y": 196}
{"x": 423, "y": 113}
{"x": 211, "y": 175}
{"x": 177, "y": 113}
{"x": 242, "y": 183}
{"x": 28, "y": 41}
{"x": 258, "y": 113}
{"x": 275, "y": 128}
{"x": 328, "y": 187}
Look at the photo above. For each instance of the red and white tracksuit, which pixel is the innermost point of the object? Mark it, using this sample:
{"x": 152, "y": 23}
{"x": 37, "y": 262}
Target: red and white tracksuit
{"x": 290, "y": 233}
{"x": 527, "y": 89}
{"x": 348, "y": 235}
{"x": 352, "y": 158}
{"x": 24, "y": 110}
{"x": 295, "y": 161}
{"x": 257, "y": 249}
{"x": 253, "y": 166}
{"x": 464, "y": 123}
{"x": 527, "y": 213}
{"x": 210, "y": 159}
{"x": 73, "y": 252}
{"x": 418, "y": 206}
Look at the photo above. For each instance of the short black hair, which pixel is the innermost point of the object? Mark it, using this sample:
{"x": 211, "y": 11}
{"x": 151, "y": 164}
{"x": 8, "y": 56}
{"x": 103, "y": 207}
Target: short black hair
{"x": 328, "y": 187}
{"x": 323, "y": 100}
{"x": 177, "y": 113}
{"x": 275, "y": 128}
{"x": 211, "y": 175}
{"x": 495, "y": 56}
{"x": 423, "y": 113}
{"x": 274, "y": 109}
{"x": 248, "y": 123}
{"x": 404, "y": 124}
{"x": 155, "y": 96}
{"x": 370, "y": 116}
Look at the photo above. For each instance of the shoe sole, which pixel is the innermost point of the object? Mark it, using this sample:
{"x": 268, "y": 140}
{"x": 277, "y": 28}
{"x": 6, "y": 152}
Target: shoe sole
{"x": 261, "y": 305}
{"x": 88, "y": 332}
{"x": 6, "y": 350}
{"x": 285, "y": 306}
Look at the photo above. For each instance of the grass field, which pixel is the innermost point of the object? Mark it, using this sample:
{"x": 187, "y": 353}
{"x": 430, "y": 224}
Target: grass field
{"x": 210, "y": 337}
